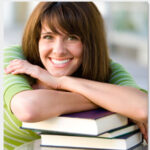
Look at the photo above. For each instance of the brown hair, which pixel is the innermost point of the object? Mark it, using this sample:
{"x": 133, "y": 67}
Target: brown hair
{"x": 80, "y": 18}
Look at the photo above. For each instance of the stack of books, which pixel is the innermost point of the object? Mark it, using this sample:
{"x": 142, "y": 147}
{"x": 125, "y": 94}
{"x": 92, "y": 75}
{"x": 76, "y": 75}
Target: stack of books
{"x": 93, "y": 129}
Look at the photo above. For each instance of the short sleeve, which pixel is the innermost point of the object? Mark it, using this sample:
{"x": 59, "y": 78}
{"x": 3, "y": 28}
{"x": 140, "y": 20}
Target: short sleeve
{"x": 121, "y": 77}
{"x": 13, "y": 84}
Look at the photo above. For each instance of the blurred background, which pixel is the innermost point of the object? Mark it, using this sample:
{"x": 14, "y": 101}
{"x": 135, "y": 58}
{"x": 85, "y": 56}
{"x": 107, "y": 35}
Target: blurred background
{"x": 126, "y": 28}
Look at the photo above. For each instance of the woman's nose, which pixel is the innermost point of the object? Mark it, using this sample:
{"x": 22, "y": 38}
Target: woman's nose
{"x": 59, "y": 46}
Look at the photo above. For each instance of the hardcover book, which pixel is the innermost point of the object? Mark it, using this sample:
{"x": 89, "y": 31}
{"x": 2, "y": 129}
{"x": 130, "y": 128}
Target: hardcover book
{"x": 92, "y": 122}
{"x": 87, "y": 142}
{"x": 120, "y": 131}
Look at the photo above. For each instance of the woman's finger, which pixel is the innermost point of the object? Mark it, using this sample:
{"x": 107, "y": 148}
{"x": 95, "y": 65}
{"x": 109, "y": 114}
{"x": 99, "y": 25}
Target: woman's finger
{"x": 146, "y": 132}
{"x": 143, "y": 129}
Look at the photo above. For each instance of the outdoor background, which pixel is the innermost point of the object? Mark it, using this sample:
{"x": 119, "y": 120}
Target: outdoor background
{"x": 126, "y": 27}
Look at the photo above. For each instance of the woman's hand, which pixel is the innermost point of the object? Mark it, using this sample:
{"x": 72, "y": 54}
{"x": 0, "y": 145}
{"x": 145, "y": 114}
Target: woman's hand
{"x": 143, "y": 126}
{"x": 144, "y": 129}
{"x": 18, "y": 66}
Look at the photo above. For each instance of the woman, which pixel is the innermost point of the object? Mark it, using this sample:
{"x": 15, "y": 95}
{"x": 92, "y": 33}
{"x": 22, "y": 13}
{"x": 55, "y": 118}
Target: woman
{"x": 66, "y": 53}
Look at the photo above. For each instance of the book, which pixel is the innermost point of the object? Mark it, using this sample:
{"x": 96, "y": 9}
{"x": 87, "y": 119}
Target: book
{"x": 92, "y": 122}
{"x": 120, "y": 131}
{"x": 117, "y": 132}
{"x": 138, "y": 147}
{"x": 88, "y": 142}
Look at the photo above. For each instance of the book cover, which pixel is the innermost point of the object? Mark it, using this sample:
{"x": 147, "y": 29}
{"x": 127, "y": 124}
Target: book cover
{"x": 93, "y": 122}
{"x": 90, "y": 114}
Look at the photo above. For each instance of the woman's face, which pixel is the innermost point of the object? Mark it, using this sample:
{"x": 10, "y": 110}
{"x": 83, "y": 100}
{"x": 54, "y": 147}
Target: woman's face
{"x": 61, "y": 54}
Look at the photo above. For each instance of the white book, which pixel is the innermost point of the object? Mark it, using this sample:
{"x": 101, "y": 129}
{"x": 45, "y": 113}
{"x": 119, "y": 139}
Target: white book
{"x": 120, "y": 131}
{"x": 85, "y": 142}
{"x": 92, "y": 122}
{"x": 138, "y": 147}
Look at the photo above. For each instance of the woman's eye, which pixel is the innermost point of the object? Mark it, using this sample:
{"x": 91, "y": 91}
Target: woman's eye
{"x": 73, "y": 37}
{"x": 48, "y": 37}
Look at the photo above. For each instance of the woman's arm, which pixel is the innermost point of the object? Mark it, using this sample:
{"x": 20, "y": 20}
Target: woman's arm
{"x": 127, "y": 101}
{"x": 41, "y": 104}
{"x": 20, "y": 99}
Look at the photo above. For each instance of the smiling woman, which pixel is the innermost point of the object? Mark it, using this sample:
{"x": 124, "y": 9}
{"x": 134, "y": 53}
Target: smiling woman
{"x": 60, "y": 53}
{"x": 64, "y": 67}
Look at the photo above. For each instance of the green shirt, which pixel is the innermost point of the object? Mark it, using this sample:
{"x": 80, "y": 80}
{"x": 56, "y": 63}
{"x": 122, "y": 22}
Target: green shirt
{"x": 13, "y": 84}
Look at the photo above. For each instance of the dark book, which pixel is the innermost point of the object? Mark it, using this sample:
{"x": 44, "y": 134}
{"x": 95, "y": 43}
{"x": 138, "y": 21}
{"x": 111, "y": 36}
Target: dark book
{"x": 92, "y": 122}
{"x": 127, "y": 141}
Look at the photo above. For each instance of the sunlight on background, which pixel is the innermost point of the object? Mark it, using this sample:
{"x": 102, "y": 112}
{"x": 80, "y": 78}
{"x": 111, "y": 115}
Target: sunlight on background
{"x": 126, "y": 27}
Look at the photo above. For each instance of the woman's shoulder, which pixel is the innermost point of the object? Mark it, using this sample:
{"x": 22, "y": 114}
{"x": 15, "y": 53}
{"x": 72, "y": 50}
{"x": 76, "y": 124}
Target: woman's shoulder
{"x": 15, "y": 49}
{"x": 118, "y": 71}
{"x": 14, "y": 46}
{"x": 114, "y": 64}
{"x": 12, "y": 52}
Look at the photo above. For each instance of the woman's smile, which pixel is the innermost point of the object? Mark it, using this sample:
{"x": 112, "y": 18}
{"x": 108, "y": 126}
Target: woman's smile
{"x": 60, "y": 63}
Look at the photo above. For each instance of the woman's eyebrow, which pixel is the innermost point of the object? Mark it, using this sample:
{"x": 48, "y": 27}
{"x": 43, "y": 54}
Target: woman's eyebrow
{"x": 46, "y": 32}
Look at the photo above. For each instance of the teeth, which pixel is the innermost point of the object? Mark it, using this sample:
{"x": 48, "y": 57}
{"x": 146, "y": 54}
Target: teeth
{"x": 60, "y": 61}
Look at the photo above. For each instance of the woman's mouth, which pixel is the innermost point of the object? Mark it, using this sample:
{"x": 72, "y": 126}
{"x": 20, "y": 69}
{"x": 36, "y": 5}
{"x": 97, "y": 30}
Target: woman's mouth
{"x": 60, "y": 62}
{"x": 57, "y": 62}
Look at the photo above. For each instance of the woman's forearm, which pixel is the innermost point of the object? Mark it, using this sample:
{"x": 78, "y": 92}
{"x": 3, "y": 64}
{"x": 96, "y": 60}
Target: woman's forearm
{"x": 41, "y": 104}
{"x": 127, "y": 101}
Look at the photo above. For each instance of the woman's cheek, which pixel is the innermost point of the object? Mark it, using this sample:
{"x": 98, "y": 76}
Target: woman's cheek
{"x": 77, "y": 50}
